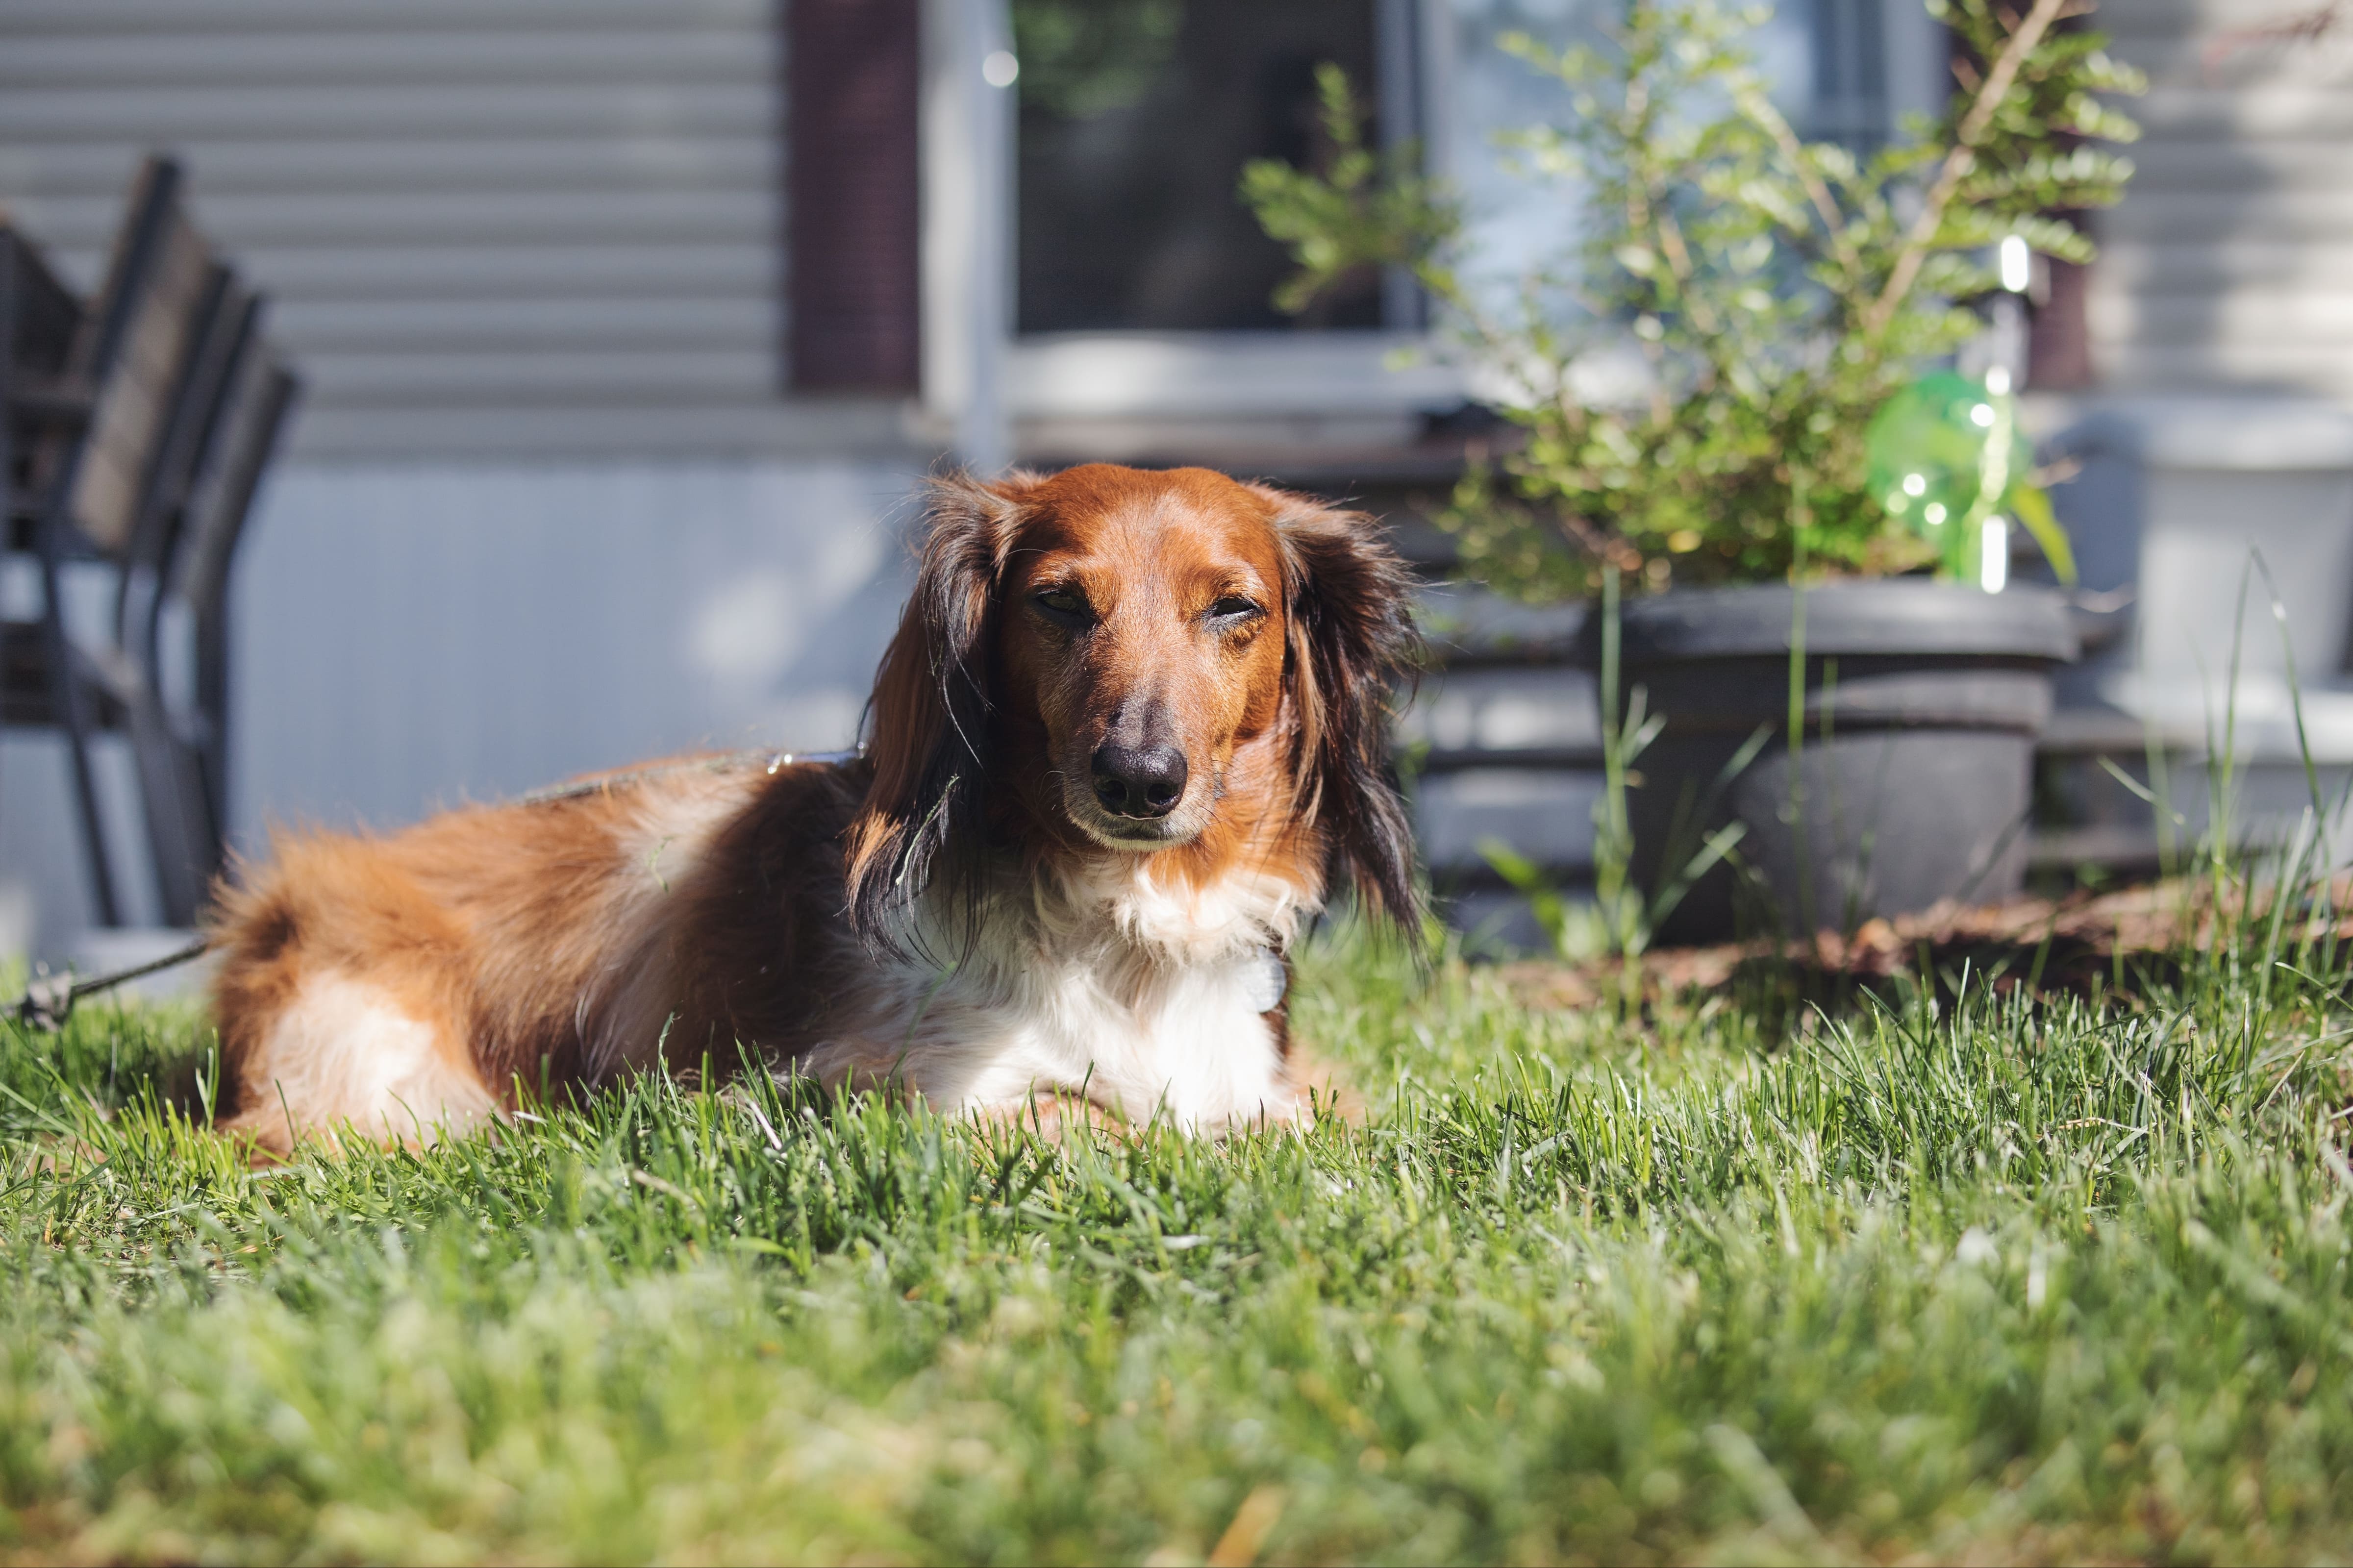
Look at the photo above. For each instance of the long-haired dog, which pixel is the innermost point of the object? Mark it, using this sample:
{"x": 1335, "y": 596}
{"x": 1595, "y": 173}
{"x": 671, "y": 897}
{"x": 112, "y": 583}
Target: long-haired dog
{"x": 1129, "y": 733}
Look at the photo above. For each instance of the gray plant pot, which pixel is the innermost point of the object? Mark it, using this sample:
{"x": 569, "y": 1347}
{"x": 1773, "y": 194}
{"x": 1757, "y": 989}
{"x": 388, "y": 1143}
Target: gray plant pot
{"x": 1914, "y": 781}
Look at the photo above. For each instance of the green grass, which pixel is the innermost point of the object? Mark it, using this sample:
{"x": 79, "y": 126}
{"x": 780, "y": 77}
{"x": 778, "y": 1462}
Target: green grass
{"x": 1980, "y": 1281}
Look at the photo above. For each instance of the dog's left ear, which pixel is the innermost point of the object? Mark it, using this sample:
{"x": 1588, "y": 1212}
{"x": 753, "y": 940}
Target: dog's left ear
{"x": 1348, "y": 603}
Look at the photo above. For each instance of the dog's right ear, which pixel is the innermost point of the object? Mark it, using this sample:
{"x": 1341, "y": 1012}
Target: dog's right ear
{"x": 927, "y": 723}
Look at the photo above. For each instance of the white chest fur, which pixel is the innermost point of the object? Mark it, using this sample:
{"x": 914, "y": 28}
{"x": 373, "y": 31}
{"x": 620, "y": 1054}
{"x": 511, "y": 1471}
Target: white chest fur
{"x": 1150, "y": 1001}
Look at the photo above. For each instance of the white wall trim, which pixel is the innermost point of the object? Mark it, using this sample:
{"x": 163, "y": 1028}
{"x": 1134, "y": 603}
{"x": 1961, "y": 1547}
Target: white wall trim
{"x": 967, "y": 229}
{"x": 1207, "y": 374}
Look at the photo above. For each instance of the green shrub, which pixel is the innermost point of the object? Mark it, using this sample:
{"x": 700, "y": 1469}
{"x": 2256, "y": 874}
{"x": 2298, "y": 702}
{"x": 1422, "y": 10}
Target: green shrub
{"x": 1774, "y": 292}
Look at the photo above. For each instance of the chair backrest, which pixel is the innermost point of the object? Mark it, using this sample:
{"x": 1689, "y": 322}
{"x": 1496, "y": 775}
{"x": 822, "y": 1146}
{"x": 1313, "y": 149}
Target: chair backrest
{"x": 40, "y": 319}
{"x": 44, "y": 317}
{"x": 154, "y": 199}
{"x": 164, "y": 285}
{"x": 259, "y": 392}
{"x": 192, "y": 424}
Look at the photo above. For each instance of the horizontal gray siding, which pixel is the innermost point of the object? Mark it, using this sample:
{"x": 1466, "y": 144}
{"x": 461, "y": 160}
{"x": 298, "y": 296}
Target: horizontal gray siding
{"x": 489, "y": 226}
{"x": 34, "y": 19}
{"x": 2230, "y": 264}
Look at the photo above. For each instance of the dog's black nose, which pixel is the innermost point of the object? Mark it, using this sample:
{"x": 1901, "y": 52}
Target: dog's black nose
{"x": 1139, "y": 781}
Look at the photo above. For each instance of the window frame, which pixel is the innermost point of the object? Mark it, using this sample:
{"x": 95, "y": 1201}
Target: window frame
{"x": 1136, "y": 378}
{"x": 1133, "y": 374}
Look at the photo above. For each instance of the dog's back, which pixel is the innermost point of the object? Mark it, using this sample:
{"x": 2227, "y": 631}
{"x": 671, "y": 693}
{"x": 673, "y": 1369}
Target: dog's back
{"x": 407, "y": 984}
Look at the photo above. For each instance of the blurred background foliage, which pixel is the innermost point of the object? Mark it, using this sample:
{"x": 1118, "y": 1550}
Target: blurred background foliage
{"x": 1082, "y": 57}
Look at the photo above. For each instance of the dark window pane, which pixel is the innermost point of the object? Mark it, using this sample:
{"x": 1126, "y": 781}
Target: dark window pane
{"x": 1850, "y": 86}
{"x": 1136, "y": 119}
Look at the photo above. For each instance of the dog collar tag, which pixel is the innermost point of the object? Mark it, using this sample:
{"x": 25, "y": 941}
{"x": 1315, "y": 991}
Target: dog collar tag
{"x": 1265, "y": 979}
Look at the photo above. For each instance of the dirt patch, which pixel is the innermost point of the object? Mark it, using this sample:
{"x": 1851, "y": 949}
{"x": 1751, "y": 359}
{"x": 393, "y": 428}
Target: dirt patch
{"x": 2083, "y": 943}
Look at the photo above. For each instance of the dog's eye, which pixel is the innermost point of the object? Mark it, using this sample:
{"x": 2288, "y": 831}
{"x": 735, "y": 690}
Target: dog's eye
{"x": 1233, "y": 607}
{"x": 1062, "y": 603}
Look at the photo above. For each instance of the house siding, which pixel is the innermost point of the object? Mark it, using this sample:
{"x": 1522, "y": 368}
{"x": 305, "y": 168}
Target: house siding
{"x": 547, "y": 505}
{"x": 2229, "y": 266}
{"x": 489, "y": 227}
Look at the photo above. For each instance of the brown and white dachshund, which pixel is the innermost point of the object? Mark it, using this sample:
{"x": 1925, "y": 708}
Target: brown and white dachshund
{"x": 1129, "y": 733}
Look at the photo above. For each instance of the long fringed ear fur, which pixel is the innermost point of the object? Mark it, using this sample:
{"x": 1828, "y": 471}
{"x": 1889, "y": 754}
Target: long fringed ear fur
{"x": 927, "y": 723}
{"x": 1353, "y": 641}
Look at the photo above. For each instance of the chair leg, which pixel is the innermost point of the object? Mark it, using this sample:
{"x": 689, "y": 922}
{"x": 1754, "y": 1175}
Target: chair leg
{"x": 173, "y": 803}
{"x": 72, "y": 705}
{"x": 213, "y": 717}
{"x": 94, "y": 826}
{"x": 185, "y": 847}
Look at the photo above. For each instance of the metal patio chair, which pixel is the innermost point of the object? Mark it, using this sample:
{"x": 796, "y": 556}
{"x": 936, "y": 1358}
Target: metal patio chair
{"x": 116, "y": 447}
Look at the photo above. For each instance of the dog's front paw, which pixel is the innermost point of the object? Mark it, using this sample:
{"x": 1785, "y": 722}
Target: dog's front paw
{"x": 1054, "y": 1115}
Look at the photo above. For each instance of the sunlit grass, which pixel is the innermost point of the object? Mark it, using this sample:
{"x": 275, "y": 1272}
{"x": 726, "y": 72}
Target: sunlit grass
{"x": 1993, "y": 1280}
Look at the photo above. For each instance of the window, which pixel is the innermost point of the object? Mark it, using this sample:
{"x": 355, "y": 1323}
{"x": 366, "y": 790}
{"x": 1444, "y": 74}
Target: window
{"x": 1842, "y": 70}
{"x": 1136, "y": 117}
{"x": 1142, "y": 296}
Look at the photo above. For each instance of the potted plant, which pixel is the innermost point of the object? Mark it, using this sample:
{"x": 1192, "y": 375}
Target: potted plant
{"x": 1734, "y": 396}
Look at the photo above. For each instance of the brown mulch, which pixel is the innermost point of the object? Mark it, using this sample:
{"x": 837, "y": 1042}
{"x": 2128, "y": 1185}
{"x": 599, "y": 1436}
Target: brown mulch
{"x": 2078, "y": 943}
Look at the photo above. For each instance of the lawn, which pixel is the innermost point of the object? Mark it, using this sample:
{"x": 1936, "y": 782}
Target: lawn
{"x": 1929, "y": 1276}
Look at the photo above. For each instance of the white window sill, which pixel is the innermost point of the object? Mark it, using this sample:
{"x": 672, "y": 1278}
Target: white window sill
{"x": 1194, "y": 376}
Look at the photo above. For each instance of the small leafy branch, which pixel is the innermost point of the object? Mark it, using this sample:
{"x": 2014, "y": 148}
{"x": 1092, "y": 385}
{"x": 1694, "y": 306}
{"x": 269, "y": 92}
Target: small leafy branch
{"x": 1760, "y": 296}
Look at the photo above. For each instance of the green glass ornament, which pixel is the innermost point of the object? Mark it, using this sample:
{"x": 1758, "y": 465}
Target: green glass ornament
{"x": 1942, "y": 455}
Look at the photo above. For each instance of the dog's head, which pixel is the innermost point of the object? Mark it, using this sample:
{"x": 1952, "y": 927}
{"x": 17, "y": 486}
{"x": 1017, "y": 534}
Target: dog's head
{"x": 1114, "y": 662}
